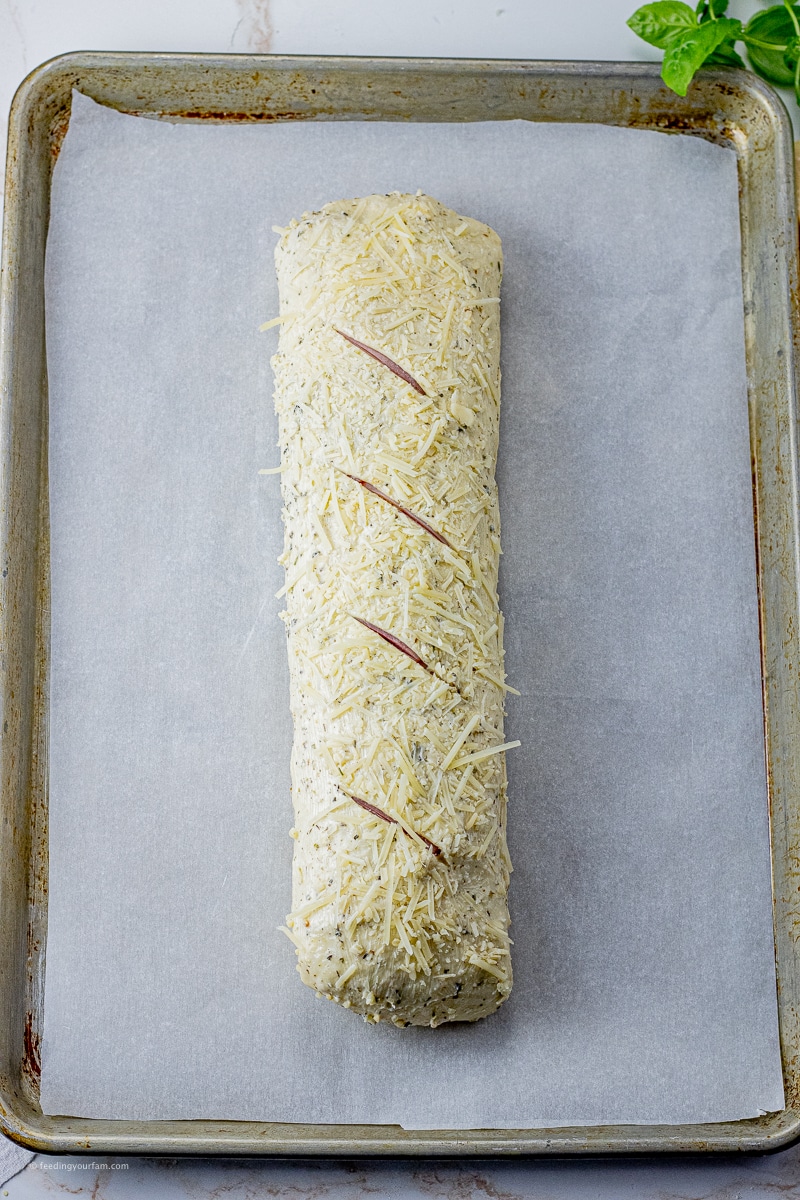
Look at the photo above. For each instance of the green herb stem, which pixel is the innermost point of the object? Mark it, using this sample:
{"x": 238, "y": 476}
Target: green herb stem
{"x": 751, "y": 41}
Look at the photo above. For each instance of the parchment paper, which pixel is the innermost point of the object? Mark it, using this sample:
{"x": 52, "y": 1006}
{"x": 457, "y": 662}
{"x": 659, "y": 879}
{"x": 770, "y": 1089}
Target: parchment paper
{"x": 644, "y": 987}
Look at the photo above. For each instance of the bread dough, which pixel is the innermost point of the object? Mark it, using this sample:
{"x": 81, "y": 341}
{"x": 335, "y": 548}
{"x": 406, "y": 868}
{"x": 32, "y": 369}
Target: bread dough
{"x": 387, "y": 392}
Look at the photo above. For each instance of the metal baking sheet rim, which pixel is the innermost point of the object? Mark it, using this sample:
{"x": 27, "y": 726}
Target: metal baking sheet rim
{"x": 725, "y": 106}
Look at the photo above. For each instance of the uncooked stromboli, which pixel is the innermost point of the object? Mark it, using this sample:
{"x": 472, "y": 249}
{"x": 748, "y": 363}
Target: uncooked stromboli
{"x": 387, "y": 391}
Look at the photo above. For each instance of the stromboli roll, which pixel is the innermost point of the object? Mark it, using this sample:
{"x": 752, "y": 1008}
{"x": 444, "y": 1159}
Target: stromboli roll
{"x": 387, "y": 392}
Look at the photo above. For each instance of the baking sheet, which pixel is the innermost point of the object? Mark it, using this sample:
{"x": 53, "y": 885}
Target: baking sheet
{"x": 644, "y": 974}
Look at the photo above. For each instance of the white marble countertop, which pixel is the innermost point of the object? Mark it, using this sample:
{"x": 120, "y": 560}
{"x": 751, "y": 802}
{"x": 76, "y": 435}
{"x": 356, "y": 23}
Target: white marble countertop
{"x": 34, "y": 30}
{"x": 213, "y": 1179}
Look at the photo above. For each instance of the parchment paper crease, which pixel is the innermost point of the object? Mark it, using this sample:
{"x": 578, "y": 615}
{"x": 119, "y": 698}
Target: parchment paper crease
{"x": 645, "y": 987}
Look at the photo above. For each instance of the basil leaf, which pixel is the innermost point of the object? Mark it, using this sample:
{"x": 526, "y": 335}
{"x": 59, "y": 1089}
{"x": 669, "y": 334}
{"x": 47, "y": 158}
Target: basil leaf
{"x": 704, "y": 10}
{"x": 659, "y": 23}
{"x": 774, "y": 26}
{"x": 791, "y": 54}
{"x": 725, "y": 56}
{"x": 686, "y": 53}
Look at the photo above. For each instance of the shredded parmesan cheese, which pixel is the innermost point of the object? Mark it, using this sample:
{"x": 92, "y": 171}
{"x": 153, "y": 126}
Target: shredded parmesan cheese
{"x": 406, "y": 920}
{"x": 488, "y": 753}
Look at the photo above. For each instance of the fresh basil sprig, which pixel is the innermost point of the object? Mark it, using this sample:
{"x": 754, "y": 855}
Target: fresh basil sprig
{"x": 696, "y": 37}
